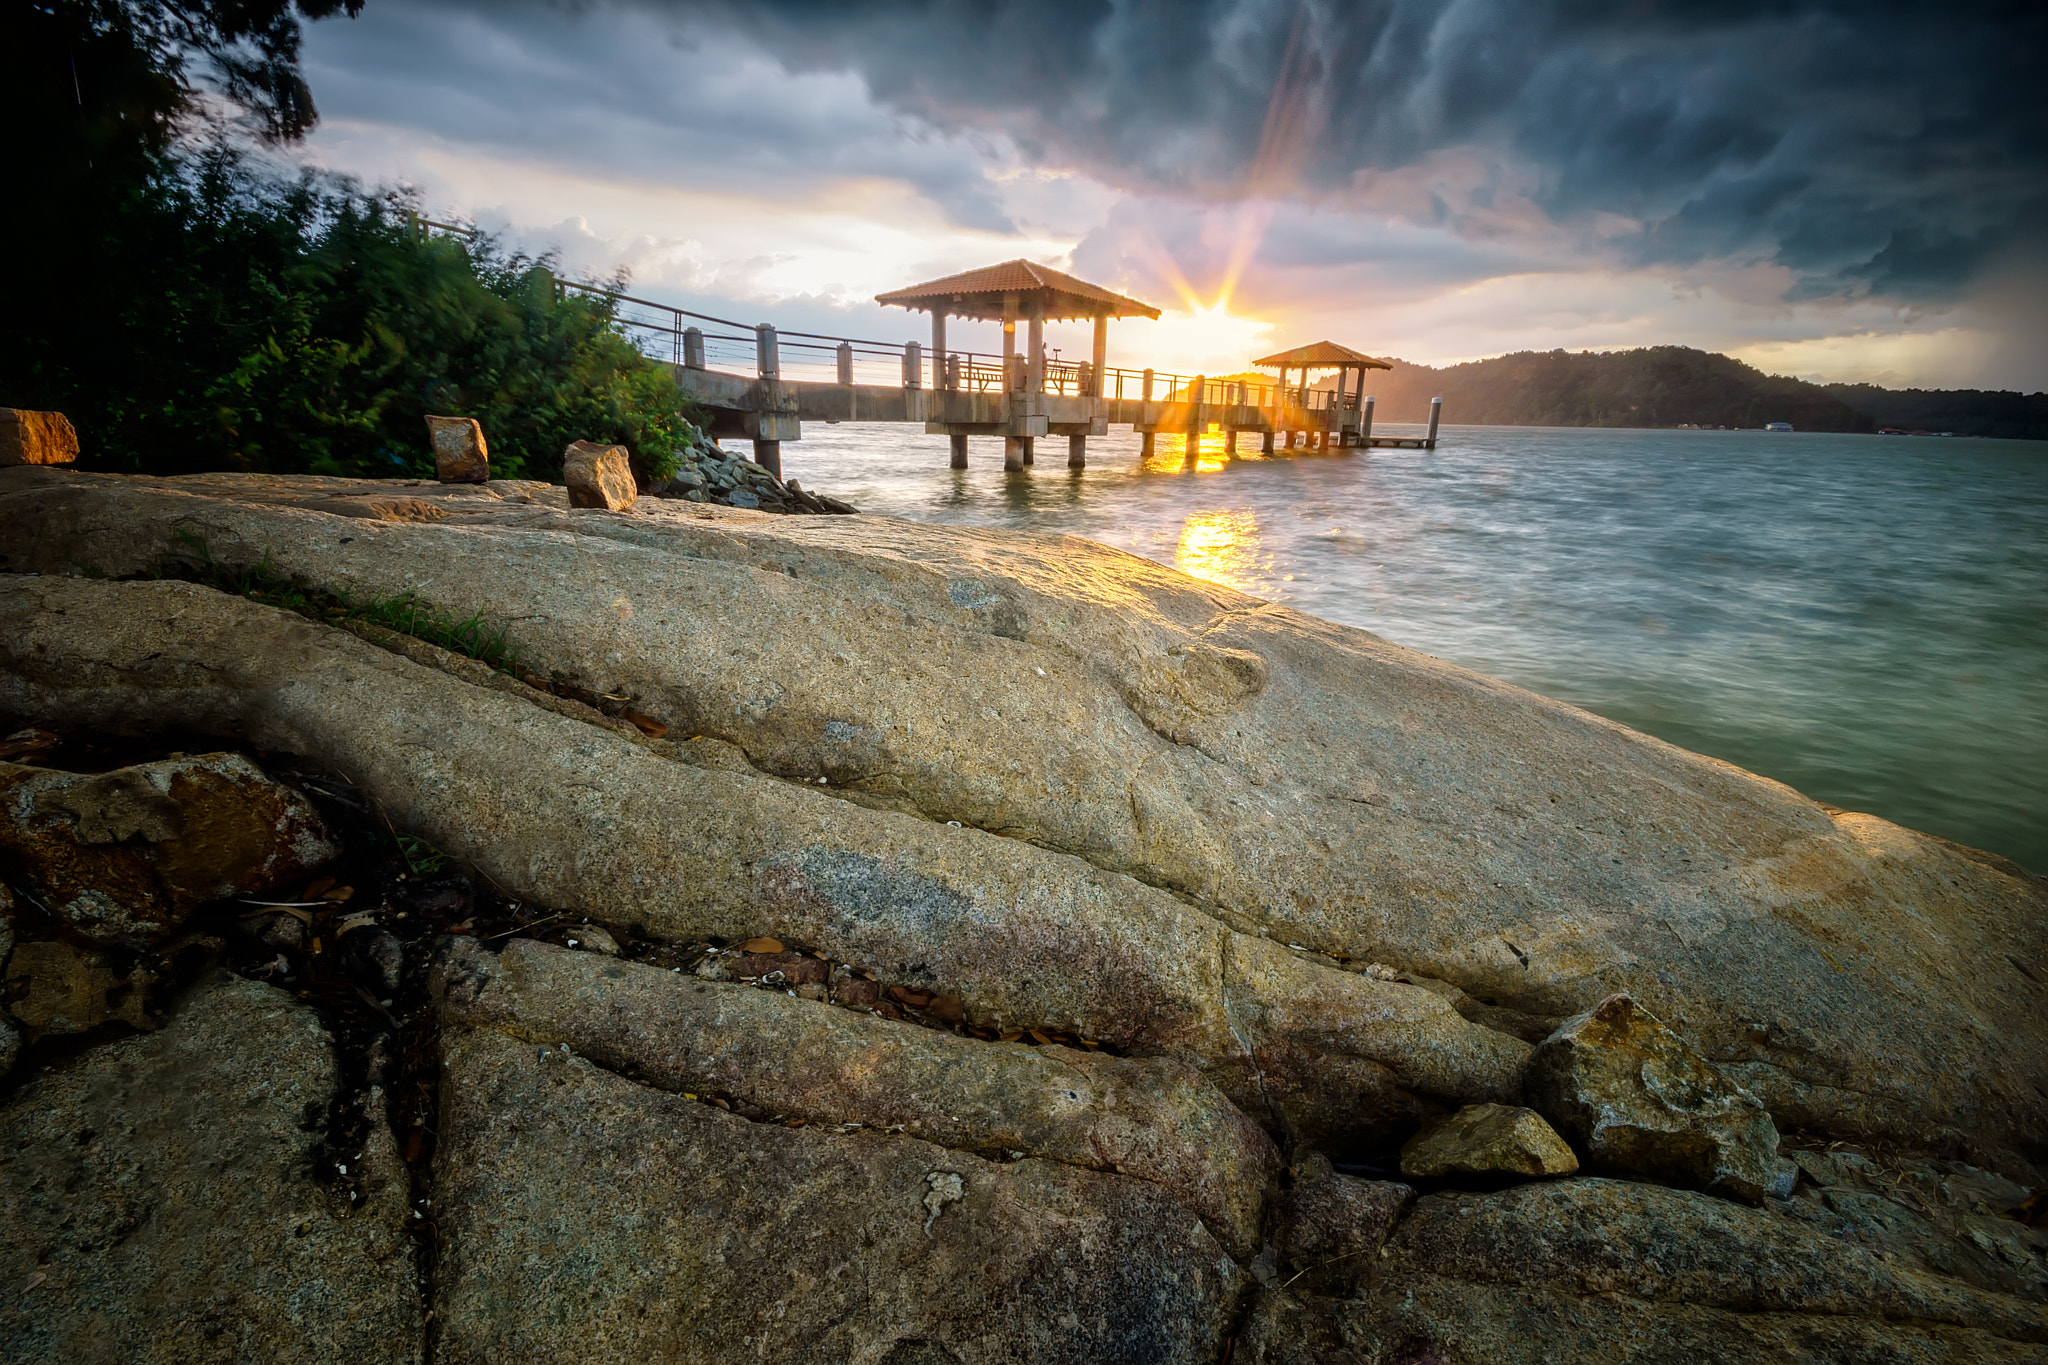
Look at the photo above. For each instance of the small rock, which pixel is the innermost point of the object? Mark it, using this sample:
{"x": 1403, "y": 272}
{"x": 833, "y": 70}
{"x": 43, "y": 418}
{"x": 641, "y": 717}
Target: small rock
{"x": 599, "y": 476}
{"x": 36, "y": 438}
{"x": 856, "y": 990}
{"x": 1487, "y": 1139}
{"x": 796, "y": 968}
{"x": 812, "y": 990}
{"x": 712, "y": 969}
{"x": 593, "y": 938}
{"x": 1634, "y": 1098}
{"x": 384, "y": 955}
{"x": 123, "y": 857}
{"x": 740, "y": 497}
{"x": 460, "y": 455}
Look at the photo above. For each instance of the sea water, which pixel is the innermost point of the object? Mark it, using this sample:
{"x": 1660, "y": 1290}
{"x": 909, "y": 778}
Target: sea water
{"x": 1864, "y": 618}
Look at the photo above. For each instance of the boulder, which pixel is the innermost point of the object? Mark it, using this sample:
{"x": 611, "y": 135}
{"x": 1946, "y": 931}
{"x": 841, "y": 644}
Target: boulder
{"x": 1635, "y": 1099}
{"x": 1604, "y": 1272}
{"x": 123, "y": 857}
{"x": 565, "y": 814}
{"x": 1152, "y": 1119}
{"x": 599, "y": 476}
{"x": 1498, "y": 1140}
{"x": 460, "y": 455}
{"x": 36, "y": 438}
{"x": 1303, "y": 782}
{"x": 587, "y": 1218}
{"x": 174, "y": 1197}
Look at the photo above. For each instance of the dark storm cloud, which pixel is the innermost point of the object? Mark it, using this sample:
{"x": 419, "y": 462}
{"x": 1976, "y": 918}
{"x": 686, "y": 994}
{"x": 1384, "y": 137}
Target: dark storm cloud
{"x": 1885, "y": 148}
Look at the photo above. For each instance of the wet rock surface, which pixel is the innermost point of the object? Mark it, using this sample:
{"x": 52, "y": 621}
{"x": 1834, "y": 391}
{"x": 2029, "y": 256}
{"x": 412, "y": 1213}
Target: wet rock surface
{"x": 1636, "y": 1099}
{"x": 164, "y": 1200}
{"x": 588, "y": 1218}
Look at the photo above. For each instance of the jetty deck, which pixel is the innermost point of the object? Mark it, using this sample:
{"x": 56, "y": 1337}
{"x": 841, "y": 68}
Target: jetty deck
{"x": 764, "y": 385}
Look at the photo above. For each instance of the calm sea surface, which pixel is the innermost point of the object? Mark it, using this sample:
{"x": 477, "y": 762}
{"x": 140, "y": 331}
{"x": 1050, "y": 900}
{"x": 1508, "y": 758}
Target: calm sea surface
{"x": 1864, "y": 618}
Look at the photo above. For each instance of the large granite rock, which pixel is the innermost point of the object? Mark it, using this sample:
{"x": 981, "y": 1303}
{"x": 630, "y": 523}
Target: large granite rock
{"x": 1152, "y": 1119}
{"x": 1636, "y": 1100}
{"x": 587, "y": 1218}
{"x": 1602, "y": 1271}
{"x": 568, "y": 815}
{"x": 599, "y": 476}
{"x": 167, "y": 1198}
{"x": 460, "y": 454}
{"x": 123, "y": 857}
{"x": 1280, "y": 774}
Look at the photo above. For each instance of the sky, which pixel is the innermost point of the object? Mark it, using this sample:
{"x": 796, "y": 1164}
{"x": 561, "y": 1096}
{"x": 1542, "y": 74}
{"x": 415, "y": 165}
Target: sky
{"x": 1843, "y": 191}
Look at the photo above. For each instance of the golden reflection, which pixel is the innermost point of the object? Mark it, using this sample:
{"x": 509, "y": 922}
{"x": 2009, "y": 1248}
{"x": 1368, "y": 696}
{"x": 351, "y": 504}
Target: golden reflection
{"x": 1170, "y": 453}
{"x": 1222, "y": 547}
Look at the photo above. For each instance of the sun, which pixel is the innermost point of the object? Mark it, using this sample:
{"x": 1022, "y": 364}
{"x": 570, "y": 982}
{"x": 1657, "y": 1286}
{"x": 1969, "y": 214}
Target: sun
{"x": 1194, "y": 339}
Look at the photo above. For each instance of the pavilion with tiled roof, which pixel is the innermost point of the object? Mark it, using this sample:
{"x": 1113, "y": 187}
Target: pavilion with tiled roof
{"x": 1009, "y": 292}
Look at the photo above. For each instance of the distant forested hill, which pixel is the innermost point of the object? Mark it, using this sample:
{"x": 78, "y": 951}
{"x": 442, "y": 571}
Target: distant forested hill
{"x": 1966, "y": 412}
{"x": 1668, "y": 386}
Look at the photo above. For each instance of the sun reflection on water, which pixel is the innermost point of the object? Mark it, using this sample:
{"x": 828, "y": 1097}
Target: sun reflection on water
{"x": 1222, "y": 547}
{"x": 1170, "y": 453}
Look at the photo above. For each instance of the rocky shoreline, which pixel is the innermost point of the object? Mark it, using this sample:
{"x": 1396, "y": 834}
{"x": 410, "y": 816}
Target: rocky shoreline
{"x": 851, "y": 939}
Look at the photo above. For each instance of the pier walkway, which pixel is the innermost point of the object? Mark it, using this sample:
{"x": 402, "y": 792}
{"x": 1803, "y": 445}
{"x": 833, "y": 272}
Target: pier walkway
{"x": 761, "y": 384}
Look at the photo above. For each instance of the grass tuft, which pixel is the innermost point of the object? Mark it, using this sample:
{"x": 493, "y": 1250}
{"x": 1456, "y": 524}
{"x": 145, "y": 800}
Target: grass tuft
{"x": 403, "y": 612}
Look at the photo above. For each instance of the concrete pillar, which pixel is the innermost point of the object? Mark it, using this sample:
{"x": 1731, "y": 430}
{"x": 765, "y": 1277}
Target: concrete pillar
{"x": 1013, "y": 454}
{"x": 1101, "y": 355}
{"x": 1009, "y": 344}
{"x": 768, "y": 455}
{"x": 693, "y": 348}
{"x": 939, "y": 366}
{"x": 1196, "y": 392}
{"x": 1230, "y": 441}
{"x": 1030, "y": 450}
{"x": 1034, "y": 357}
{"x": 1266, "y": 441}
{"x": 1436, "y": 411}
{"x": 952, "y": 373}
{"x": 959, "y": 451}
{"x": 845, "y": 354}
{"x": 913, "y": 366}
{"x": 1365, "y": 424}
{"x": 1145, "y": 444}
{"x": 767, "y": 359}
{"x": 1077, "y": 452}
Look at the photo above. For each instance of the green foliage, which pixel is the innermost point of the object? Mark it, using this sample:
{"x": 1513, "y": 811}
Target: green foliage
{"x": 304, "y": 327}
{"x": 404, "y": 612}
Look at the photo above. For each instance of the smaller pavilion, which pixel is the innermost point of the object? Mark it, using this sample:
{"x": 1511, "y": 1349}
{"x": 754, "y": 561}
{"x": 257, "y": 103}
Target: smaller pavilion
{"x": 1007, "y": 293}
{"x": 1328, "y": 355}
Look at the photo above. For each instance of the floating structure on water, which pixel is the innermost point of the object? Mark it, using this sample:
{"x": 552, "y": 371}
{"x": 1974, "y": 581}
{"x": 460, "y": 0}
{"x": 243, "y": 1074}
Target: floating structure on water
{"x": 1018, "y": 394}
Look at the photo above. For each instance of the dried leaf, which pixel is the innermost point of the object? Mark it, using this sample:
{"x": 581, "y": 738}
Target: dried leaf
{"x": 36, "y": 1279}
{"x": 316, "y": 888}
{"x": 645, "y": 724}
{"x": 415, "y": 1143}
{"x": 360, "y": 920}
{"x": 761, "y": 945}
{"x": 1038, "y": 1037}
{"x": 339, "y": 893}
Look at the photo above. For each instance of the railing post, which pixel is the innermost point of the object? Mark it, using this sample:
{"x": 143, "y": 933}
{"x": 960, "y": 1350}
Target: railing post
{"x": 1436, "y": 410}
{"x": 693, "y": 348}
{"x": 913, "y": 366}
{"x": 1148, "y": 386}
{"x": 767, "y": 360}
{"x": 845, "y": 357}
{"x": 953, "y": 374}
{"x": 1196, "y": 392}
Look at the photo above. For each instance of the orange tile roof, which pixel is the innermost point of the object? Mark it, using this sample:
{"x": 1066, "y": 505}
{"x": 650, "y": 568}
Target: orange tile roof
{"x": 979, "y": 294}
{"x": 1325, "y": 355}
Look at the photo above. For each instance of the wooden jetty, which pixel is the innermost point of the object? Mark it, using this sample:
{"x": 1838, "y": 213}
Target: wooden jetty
{"x": 1017, "y": 395}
